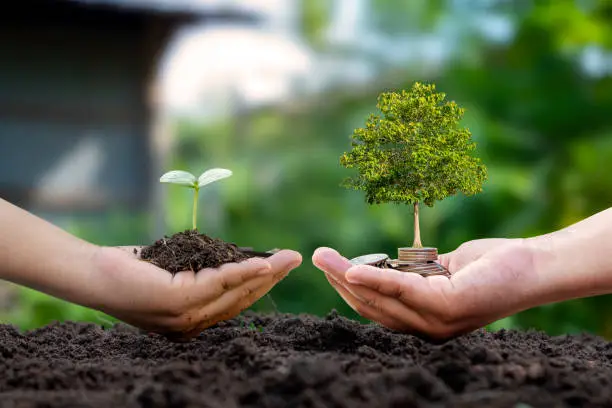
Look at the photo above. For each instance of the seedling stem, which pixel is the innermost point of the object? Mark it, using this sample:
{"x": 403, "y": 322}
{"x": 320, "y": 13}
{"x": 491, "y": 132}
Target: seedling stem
{"x": 187, "y": 179}
{"x": 194, "y": 216}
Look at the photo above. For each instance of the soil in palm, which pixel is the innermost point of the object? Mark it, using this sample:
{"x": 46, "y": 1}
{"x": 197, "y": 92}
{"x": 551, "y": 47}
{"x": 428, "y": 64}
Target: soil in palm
{"x": 190, "y": 250}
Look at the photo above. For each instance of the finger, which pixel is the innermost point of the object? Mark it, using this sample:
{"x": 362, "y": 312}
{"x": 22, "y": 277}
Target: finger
{"x": 363, "y": 309}
{"x": 409, "y": 297}
{"x": 243, "y": 296}
{"x": 331, "y": 262}
{"x": 469, "y": 252}
{"x": 444, "y": 260}
{"x": 384, "y": 305}
{"x": 389, "y": 307}
{"x": 231, "y": 303}
{"x": 411, "y": 289}
{"x": 284, "y": 261}
{"x": 338, "y": 267}
{"x": 213, "y": 283}
{"x": 454, "y": 261}
{"x": 224, "y": 308}
{"x": 243, "y": 303}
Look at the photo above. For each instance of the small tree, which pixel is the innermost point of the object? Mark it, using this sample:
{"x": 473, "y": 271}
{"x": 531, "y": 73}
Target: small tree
{"x": 414, "y": 152}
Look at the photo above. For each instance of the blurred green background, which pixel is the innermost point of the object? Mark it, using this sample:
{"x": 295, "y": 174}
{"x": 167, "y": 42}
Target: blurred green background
{"x": 539, "y": 104}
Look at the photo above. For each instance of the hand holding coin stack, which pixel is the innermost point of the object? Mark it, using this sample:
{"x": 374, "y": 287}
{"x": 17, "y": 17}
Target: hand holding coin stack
{"x": 415, "y": 260}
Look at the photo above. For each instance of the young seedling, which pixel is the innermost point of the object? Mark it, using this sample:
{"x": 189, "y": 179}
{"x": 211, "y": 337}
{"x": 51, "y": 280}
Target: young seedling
{"x": 187, "y": 179}
{"x": 415, "y": 151}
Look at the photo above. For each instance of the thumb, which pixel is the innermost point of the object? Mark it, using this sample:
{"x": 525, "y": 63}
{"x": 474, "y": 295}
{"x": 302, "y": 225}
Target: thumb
{"x": 445, "y": 259}
{"x": 330, "y": 260}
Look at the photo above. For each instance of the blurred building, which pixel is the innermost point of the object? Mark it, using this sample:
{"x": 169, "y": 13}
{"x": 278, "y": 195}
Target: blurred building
{"x": 77, "y": 99}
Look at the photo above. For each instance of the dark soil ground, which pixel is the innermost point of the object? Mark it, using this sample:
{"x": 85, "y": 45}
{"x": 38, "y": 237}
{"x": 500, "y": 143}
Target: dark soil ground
{"x": 299, "y": 361}
{"x": 190, "y": 250}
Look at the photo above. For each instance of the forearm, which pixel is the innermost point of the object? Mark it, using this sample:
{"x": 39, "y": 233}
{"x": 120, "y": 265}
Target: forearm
{"x": 576, "y": 261}
{"x": 39, "y": 255}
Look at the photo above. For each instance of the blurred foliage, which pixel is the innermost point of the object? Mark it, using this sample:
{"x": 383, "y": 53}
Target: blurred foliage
{"x": 401, "y": 17}
{"x": 315, "y": 20}
{"x": 542, "y": 125}
{"x": 36, "y": 309}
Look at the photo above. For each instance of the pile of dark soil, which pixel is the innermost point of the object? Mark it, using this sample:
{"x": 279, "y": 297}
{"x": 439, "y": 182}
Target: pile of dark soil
{"x": 190, "y": 250}
{"x": 299, "y": 361}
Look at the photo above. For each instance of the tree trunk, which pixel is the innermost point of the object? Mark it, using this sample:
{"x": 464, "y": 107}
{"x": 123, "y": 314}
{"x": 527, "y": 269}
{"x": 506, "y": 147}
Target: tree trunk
{"x": 417, "y": 230}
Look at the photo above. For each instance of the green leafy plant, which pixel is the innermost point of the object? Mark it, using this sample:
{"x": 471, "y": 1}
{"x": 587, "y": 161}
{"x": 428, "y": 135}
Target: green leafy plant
{"x": 415, "y": 151}
{"x": 187, "y": 179}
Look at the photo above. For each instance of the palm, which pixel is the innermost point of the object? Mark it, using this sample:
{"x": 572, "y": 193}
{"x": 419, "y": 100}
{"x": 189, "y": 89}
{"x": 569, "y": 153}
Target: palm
{"x": 185, "y": 303}
{"x": 486, "y": 284}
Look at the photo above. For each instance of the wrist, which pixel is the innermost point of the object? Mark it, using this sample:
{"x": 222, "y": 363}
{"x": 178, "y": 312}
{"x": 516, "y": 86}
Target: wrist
{"x": 107, "y": 266}
{"x": 76, "y": 278}
{"x": 569, "y": 266}
{"x": 123, "y": 283}
{"x": 520, "y": 264}
{"x": 66, "y": 275}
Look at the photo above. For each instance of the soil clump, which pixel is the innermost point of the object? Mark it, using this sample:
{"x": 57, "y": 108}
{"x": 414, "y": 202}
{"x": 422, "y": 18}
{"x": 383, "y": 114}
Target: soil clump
{"x": 190, "y": 250}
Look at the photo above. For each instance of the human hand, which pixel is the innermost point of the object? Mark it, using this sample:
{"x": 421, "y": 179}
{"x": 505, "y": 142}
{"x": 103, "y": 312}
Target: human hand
{"x": 491, "y": 279}
{"x": 183, "y": 305}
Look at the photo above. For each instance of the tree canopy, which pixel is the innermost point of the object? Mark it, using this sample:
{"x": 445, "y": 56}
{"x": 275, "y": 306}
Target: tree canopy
{"x": 415, "y": 150}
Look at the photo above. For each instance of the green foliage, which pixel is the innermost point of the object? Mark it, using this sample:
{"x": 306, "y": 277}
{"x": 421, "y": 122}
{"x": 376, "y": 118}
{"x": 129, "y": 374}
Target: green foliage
{"x": 398, "y": 17}
{"x": 38, "y": 309}
{"x": 314, "y": 20}
{"x": 415, "y": 151}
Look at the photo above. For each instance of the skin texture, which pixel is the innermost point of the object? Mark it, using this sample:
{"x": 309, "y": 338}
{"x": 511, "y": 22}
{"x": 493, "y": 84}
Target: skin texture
{"x": 491, "y": 279}
{"x": 41, "y": 256}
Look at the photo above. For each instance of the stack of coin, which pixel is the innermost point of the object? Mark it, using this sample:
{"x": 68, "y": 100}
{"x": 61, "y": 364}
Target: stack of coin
{"x": 422, "y": 268}
{"x": 413, "y": 255}
{"x": 415, "y": 260}
{"x": 419, "y": 260}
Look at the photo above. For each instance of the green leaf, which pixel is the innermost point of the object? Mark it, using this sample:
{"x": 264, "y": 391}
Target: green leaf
{"x": 179, "y": 177}
{"x": 213, "y": 175}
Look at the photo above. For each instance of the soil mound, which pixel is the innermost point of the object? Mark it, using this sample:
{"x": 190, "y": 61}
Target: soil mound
{"x": 299, "y": 361}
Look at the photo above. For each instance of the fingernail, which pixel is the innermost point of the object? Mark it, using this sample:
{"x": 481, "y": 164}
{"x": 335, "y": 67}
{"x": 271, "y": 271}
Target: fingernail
{"x": 333, "y": 261}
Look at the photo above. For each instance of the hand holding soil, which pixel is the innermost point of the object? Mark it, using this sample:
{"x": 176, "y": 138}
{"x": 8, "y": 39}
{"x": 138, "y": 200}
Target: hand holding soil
{"x": 41, "y": 256}
{"x": 184, "y": 304}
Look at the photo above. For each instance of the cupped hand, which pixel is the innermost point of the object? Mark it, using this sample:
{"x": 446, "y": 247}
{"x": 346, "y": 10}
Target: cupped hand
{"x": 491, "y": 279}
{"x": 182, "y": 305}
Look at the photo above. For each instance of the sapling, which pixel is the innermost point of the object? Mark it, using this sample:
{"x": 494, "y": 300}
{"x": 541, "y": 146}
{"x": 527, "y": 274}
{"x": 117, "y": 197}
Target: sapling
{"x": 415, "y": 151}
{"x": 187, "y": 179}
